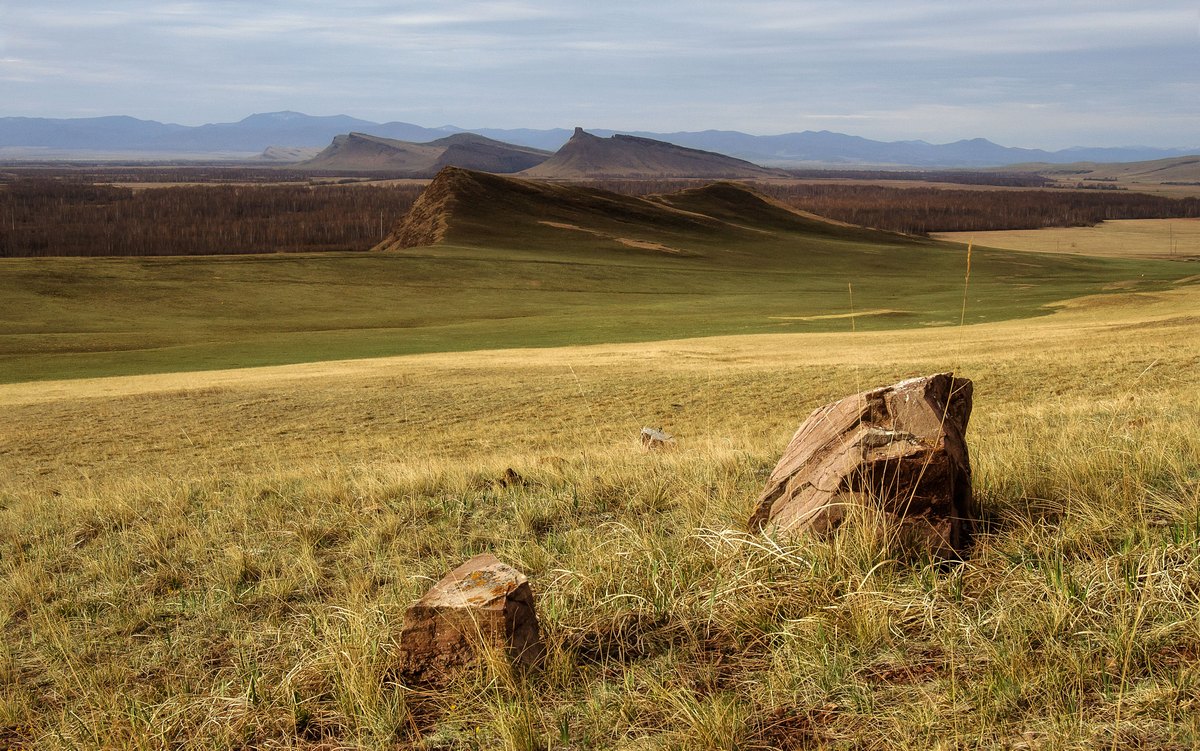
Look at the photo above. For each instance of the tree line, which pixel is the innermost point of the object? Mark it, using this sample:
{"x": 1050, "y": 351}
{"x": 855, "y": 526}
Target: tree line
{"x": 918, "y": 211}
{"x": 46, "y": 217}
{"x": 959, "y": 177}
{"x": 921, "y": 210}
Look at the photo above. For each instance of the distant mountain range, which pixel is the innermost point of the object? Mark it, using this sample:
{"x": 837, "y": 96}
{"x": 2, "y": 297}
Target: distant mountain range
{"x": 25, "y": 137}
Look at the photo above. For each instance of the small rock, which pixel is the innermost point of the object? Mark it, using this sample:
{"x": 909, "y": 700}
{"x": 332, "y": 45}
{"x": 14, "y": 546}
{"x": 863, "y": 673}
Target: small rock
{"x": 511, "y": 478}
{"x": 482, "y": 604}
{"x": 656, "y": 439}
{"x": 901, "y": 449}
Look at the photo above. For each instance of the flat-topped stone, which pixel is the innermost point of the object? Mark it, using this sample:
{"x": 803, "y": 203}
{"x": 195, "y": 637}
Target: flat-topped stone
{"x": 482, "y": 604}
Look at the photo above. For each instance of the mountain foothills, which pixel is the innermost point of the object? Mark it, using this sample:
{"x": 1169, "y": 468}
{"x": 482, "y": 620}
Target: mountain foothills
{"x": 24, "y": 137}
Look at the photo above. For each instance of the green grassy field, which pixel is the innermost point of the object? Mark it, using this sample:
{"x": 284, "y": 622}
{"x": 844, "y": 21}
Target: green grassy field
{"x": 508, "y": 278}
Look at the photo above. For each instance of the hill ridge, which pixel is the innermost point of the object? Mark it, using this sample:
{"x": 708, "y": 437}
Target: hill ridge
{"x": 471, "y": 208}
{"x": 365, "y": 152}
{"x": 427, "y": 220}
{"x": 625, "y": 156}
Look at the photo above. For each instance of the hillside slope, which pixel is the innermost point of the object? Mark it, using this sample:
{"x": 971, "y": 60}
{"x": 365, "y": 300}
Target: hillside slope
{"x": 741, "y": 206}
{"x": 361, "y": 152}
{"x": 589, "y": 156}
{"x": 462, "y": 207}
{"x": 288, "y": 154}
{"x": 1182, "y": 169}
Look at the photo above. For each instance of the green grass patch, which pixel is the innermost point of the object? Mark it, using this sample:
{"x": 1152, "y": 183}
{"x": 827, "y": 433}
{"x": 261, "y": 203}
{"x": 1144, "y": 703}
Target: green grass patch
{"x": 70, "y": 317}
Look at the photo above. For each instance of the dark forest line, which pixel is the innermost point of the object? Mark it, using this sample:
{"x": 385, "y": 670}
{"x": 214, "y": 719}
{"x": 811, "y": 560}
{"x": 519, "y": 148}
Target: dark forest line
{"x": 51, "y": 218}
{"x": 920, "y": 210}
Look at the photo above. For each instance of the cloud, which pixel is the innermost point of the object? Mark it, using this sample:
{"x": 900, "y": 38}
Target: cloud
{"x": 1024, "y": 71}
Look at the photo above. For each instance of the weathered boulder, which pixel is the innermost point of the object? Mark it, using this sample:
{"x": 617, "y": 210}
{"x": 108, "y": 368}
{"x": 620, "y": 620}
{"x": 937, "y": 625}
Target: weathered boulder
{"x": 899, "y": 449}
{"x": 483, "y": 604}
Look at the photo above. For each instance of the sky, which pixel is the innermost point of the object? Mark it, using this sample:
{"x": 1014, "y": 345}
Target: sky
{"x": 1042, "y": 74}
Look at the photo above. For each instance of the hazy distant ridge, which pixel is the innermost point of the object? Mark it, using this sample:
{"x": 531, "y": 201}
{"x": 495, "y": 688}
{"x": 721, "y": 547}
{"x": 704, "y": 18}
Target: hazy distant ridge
{"x": 589, "y": 156}
{"x": 359, "y": 151}
{"x": 256, "y": 133}
{"x": 252, "y": 134}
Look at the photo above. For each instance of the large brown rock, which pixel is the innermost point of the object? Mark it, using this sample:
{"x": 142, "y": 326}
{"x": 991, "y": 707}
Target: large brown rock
{"x": 900, "y": 449}
{"x": 483, "y": 604}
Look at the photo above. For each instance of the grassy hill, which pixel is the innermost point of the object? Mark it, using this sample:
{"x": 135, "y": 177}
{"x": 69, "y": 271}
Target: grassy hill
{"x": 555, "y": 264}
{"x": 1174, "y": 176}
{"x": 1173, "y": 169}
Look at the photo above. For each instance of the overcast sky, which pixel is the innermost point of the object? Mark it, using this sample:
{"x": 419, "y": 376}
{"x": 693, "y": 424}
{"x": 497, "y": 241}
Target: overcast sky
{"x": 1020, "y": 72}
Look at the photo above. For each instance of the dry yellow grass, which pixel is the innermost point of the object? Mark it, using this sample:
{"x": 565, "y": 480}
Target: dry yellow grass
{"x": 1177, "y": 239}
{"x": 557, "y": 399}
{"x": 222, "y": 559}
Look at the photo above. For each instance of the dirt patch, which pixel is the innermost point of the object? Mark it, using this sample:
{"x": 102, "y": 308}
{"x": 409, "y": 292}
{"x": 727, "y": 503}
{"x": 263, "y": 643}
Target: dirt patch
{"x": 1088, "y": 302}
{"x": 573, "y": 227}
{"x": 858, "y": 314}
{"x": 629, "y": 242}
{"x": 922, "y": 665}
{"x": 793, "y": 728}
{"x": 647, "y": 245}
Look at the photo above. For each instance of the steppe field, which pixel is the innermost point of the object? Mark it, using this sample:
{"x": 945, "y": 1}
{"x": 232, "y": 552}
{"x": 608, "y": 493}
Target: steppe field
{"x": 1174, "y": 239}
{"x": 222, "y": 558}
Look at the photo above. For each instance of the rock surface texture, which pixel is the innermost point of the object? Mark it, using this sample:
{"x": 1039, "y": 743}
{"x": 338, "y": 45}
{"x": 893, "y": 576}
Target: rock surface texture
{"x": 482, "y": 604}
{"x": 899, "y": 449}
